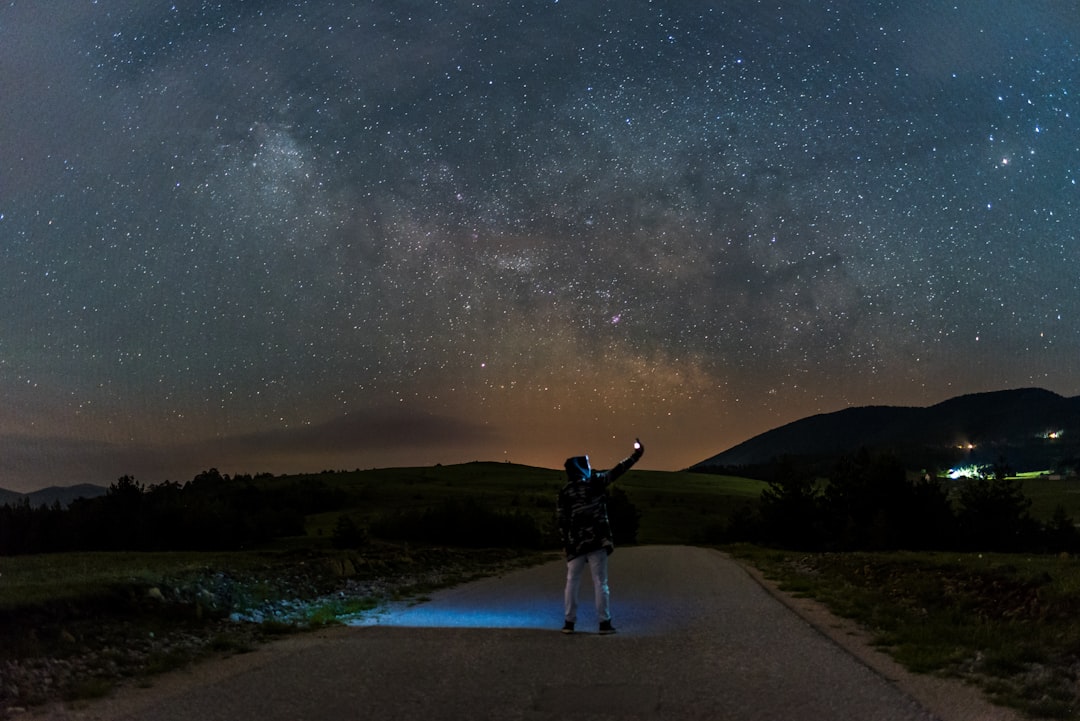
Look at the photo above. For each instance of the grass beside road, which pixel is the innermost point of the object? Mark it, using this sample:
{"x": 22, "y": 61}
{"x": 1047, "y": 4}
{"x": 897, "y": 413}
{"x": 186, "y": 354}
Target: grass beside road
{"x": 1007, "y": 623}
{"x": 27, "y": 581}
{"x": 74, "y": 625}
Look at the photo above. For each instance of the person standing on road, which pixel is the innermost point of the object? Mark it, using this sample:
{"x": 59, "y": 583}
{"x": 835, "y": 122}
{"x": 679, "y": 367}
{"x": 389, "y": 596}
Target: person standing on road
{"x": 586, "y": 533}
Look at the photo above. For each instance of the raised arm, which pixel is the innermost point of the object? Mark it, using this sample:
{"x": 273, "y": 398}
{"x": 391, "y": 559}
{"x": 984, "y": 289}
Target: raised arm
{"x": 624, "y": 465}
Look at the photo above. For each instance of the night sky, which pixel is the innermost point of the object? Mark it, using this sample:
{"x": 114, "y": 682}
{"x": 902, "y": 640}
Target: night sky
{"x": 296, "y": 235}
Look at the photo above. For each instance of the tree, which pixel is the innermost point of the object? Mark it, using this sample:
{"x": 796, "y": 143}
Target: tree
{"x": 871, "y": 504}
{"x": 993, "y": 512}
{"x": 1060, "y": 533}
{"x": 932, "y": 521}
{"x": 347, "y": 534}
{"x": 123, "y": 520}
{"x": 790, "y": 509}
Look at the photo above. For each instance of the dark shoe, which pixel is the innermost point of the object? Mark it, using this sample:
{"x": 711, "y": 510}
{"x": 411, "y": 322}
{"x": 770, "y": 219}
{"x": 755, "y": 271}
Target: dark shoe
{"x": 606, "y": 628}
{"x": 568, "y": 627}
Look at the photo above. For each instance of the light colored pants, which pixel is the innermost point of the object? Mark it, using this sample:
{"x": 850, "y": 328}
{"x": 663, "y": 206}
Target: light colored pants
{"x": 597, "y": 561}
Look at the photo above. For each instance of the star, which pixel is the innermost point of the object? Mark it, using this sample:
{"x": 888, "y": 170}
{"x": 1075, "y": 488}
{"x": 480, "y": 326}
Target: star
{"x": 517, "y": 229}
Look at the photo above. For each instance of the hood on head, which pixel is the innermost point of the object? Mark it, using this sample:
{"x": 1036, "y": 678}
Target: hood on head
{"x": 578, "y": 468}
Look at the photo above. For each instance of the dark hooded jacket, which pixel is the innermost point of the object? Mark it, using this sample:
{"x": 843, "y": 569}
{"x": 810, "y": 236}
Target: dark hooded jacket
{"x": 582, "y": 506}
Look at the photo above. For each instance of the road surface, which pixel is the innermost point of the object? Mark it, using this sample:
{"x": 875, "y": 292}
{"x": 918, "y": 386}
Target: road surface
{"x": 699, "y": 638}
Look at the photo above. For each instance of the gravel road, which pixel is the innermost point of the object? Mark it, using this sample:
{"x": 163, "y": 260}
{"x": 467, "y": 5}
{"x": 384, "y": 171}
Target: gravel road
{"x": 699, "y": 638}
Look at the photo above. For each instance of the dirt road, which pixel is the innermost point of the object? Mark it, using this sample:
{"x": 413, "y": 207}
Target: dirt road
{"x": 699, "y": 638}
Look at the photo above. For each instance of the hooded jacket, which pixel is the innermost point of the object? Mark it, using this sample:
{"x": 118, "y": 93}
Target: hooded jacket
{"x": 581, "y": 506}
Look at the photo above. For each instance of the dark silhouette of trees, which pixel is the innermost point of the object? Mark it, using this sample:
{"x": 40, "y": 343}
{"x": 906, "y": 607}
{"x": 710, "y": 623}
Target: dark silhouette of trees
{"x": 348, "y": 534}
{"x": 993, "y": 513}
{"x": 933, "y": 521}
{"x": 24, "y": 529}
{"x": 1061, "y": 532}
{"x": 211, "y": 512}
{"x": 790, "y": 508}
{"x": 869, "y": 502}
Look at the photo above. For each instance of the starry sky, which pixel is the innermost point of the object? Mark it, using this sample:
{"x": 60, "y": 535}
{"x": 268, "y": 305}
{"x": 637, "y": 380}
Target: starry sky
{"x": 296, "y": 235}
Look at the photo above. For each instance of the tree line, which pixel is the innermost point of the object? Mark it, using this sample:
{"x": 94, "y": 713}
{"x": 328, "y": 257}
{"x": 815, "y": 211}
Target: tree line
{"x": 869, "y": 502}
{"x": 866, "y": 502}
{"x": 210, "y": 512}
{"x": 218, "y": 512}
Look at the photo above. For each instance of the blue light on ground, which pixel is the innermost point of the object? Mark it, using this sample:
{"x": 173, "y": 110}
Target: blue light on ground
{"x": 631, "y": 615}
{"x": 531, "y": 599}
{"x": 439, "y": 616}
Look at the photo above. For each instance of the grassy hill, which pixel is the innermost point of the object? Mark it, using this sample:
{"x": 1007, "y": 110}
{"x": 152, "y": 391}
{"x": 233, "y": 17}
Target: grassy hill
{"x": 675, "y": 507}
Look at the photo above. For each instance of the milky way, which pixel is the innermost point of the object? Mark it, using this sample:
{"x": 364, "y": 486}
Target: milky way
{"x": 288, "y": 236}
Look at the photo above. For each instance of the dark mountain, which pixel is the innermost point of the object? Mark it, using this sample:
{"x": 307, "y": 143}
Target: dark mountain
{"x": 1031, "y": 428}
{"x": 48, "y": 496}
{"x": 7, "y": 496}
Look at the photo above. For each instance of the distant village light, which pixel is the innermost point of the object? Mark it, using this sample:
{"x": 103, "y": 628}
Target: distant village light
{"x": 966, "y": 472}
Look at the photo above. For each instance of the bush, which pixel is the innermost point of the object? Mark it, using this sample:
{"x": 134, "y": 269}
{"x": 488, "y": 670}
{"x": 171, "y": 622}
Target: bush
{"x": 1060, "y": 534}
{"x": 790, "y": 510}
{"x": 993, "y": 514}
{"x": 869, "y": 503}
{"x": 347, "y": 534}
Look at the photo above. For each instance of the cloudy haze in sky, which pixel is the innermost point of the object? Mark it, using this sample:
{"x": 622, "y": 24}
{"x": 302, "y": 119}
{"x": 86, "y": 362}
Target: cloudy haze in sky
{"x": 296, "y": 235}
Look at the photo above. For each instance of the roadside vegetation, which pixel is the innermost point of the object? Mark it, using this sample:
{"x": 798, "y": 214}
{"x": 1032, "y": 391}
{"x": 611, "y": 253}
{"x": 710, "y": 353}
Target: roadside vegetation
{"x": 973, "y": 578}
{"x": 75, "y": 625}
{"x": 1004, "y": 622}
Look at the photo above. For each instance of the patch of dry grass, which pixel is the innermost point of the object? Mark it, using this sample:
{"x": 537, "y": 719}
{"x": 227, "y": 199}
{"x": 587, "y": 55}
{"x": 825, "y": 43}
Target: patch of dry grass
{"x": 1004, "y": 622}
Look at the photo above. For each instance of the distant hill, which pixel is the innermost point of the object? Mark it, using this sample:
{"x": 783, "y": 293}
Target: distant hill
{"x": 48, "y": 496}
{"x": 1032, "y": 428}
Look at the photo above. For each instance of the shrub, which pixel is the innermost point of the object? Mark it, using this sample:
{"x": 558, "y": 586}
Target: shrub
{"x": 790, "y": 510}
{"x": 347, "y": 534}
{"x": 993, "y": 514}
